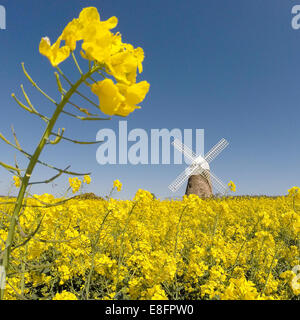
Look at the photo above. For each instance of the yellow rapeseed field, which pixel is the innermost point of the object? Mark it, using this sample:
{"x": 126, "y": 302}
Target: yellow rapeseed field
{"x": 147, "y": 248}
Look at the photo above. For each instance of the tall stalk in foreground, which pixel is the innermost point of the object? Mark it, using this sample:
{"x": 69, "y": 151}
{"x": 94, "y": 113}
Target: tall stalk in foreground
{"x": 106, "y": 55}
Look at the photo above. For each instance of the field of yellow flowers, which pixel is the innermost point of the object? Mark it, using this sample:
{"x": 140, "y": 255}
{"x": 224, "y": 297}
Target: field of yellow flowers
{"x": 147, "y": 248}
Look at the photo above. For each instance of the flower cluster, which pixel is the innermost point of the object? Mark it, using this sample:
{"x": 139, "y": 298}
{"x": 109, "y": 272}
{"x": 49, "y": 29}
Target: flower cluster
{"x": 147, "y": 248}
{"x": 17, "y": 181}
{"x": 87, "y": 179}
{"x": 294, "y": 192}
{"x": 232, "y": 186}
{"x": 65, "y": 295}
{"x": 75, "y": 183}
{"x": 106, "y": 49}
{"x": 118, "y": 185}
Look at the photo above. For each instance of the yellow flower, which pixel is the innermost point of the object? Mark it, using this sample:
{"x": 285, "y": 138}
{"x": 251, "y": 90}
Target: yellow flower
{"x": 133, "y": 94}
{"x": 91, "y": 15}
{"x": 155, "y": 293}
{"x": 294, "y": 191}
{"x": 72, "y": 33}
{"x": 65, "y": 295}
{"x": 75, "y": 184}
{"x": 87, "y": 179}
{"x": 96, "y": 35}
{"x": 119, "y": 99}
{"x": 17, "y": 181}
{"x": 54, "y": 53}
{"x": 97, "y": 48}
{"x": 143, "y": 196}
{"x": 296, "y": 225}
{"x": 124, "y": 64}
{"x": 109, "y": 96}
{"x": 232, "y": 186}
{"x": 87, "y": 27}
{"x": 240, "y": 289}
{"x": 118, "y": 185}
{"x": 99, "y": 44}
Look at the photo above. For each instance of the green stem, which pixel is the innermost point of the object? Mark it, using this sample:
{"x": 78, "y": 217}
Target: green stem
{"x": 175, "y": 251}
{"x": 177, "y": 232}
{"x": 31, "y": 165}
{"x": 77, "y": 65}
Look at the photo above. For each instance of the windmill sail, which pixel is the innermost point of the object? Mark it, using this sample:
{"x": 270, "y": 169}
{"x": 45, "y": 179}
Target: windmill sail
{"x": 216, "y": 150}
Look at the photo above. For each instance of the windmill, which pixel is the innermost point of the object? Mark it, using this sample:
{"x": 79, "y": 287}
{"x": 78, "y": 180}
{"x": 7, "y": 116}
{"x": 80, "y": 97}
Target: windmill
{"x": 198, "y": 173}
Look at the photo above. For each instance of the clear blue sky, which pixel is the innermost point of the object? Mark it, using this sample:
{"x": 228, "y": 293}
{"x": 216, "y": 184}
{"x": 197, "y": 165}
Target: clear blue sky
{"x": 231, "y": 69}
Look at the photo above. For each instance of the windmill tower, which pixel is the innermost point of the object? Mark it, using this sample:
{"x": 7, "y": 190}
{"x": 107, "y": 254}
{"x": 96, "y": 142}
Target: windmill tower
{"x": 201, "y": 181}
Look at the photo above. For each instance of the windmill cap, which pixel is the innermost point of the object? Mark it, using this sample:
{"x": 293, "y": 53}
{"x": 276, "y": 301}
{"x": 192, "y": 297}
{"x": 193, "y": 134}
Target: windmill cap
{"x": 199, "y": 160}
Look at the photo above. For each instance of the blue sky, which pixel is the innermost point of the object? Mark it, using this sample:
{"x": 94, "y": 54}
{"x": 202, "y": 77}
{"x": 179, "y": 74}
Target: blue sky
{"x": 231, "y": 70}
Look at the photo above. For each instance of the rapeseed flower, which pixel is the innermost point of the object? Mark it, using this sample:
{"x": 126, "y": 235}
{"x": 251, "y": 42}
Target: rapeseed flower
{"x": 117, "y": 184}
{"x": 232, "y": 186}
{"x": 75, "y": 184}
{"x": 240, "y": 289}
{"x": 87, "y": 179}
{"x": 119, "y": 99}
{"x": 294, "y": 192}
{"x": 54, "y": 53}
{"x": 118, "y": 59}
{"x": 17, "y": 181}
{"x": 65, "y": 295}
